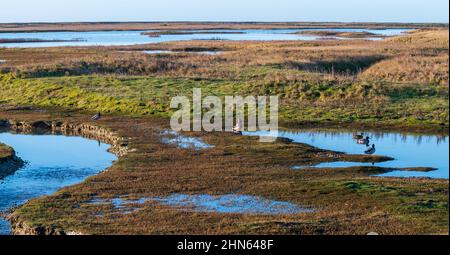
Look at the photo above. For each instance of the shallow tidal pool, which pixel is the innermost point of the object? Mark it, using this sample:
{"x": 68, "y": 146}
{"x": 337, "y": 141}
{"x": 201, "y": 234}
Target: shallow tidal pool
{"x": 52, "y": 162}
{"x": 230, "y": 203}
{"x": 408, "y": 150}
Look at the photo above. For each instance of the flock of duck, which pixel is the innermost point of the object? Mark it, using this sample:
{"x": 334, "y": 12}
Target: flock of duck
{"x": 360, "y": 139}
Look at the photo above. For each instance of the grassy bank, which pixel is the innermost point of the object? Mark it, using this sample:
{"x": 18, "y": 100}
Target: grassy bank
{"x": 363, "y": 103}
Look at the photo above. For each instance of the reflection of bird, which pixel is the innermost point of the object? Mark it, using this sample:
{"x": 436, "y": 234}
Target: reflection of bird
{"x": 371, "y": 150}
{"x": 96, "y": 116}
{"x": 357, "y": 137}
{"x": 364, "y": 141}
{"x": 238, "y": 128}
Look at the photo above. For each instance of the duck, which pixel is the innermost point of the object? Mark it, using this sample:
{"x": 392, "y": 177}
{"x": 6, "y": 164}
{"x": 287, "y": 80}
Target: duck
{"x": 238, "y": 128}
{"x": 357, "y": 137}
{"x": 97, "y": 116}
{"x": 364, "y": 140}
{"x": 371, "y": 150}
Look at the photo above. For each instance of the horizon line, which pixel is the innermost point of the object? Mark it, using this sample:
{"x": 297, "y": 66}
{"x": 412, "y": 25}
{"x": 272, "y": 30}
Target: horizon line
{"x": 249, "y": 21}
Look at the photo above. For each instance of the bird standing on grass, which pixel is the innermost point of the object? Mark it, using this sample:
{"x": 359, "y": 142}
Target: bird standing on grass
{"x": 97, "y": 116}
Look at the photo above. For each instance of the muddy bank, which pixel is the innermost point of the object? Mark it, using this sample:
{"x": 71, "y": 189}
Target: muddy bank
{"x": 9, "y": 164}
{"x": 119, "y": 145}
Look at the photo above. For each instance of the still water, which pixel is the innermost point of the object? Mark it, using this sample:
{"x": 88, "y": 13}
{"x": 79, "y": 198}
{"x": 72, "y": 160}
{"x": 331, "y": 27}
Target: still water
{"x": 53, "y": 162}
{"x": 114, "y": 38}
{"x": 408, "y": 150}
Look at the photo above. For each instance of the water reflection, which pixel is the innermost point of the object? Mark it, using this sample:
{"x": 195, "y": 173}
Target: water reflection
{"x": 408, "y": 150}
{"x": 111, "y": 38}
{"x": 53, "y": 162}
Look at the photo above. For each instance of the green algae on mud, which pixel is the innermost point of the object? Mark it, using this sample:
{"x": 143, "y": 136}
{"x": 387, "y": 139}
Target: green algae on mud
{"x": 346, "y": 201}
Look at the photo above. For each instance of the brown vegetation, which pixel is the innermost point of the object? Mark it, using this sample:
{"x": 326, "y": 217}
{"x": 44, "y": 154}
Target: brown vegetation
{"x": 396, "y": 81}
{"x": 103, "y": 26}
{"x": 344, "y": 59}
{"x": 347, "y": 201}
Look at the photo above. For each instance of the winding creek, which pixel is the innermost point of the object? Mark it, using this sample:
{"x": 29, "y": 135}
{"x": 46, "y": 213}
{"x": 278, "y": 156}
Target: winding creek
{"x": 52, "y": 162}
{"x": 116, "y": 38}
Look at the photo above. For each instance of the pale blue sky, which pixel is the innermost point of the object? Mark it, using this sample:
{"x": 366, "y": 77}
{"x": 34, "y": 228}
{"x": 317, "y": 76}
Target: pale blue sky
{"x": 224, "y": 10}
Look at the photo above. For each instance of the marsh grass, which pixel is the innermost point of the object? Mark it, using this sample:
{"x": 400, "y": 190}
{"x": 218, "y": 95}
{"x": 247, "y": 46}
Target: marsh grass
{"x": 345, "y": 201}
{"x": 401, "y": 81}
{"x": 308, "y": 100}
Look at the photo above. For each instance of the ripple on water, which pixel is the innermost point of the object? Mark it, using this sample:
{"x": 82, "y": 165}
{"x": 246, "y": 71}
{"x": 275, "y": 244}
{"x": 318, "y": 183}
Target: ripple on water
{"x": 4, "y": 227}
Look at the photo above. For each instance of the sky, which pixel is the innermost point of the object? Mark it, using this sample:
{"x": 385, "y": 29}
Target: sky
{"x": 224, "y": 10}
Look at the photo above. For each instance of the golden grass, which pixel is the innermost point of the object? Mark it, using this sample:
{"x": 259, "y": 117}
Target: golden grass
{"x": 431, "y": 37}
{"x": 102, "y": 26}
{"x": 412, "y": 69}
{"x": 397, "y": 80}
{"x": 425, "y": 52}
